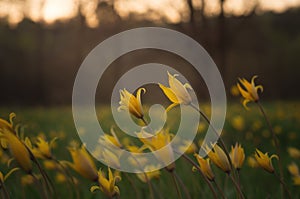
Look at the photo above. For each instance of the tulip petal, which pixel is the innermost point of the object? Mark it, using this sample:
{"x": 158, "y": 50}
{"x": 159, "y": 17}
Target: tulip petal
{"x": 169, "y": 93}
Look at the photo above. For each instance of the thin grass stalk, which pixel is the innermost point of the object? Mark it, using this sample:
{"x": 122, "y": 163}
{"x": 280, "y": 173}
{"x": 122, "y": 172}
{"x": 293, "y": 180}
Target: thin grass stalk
{"x": 48, "y": 182}
{"x": 236, "y": 186}
{"x": 284, "y": 185}
{"x": 149, "y": 186}
{"x": 186, "y": 191}
{"x": 41, "y": 186}
{"x": 146, "y": 178}
{"x": 277, "y": 146}
{"x": 68, "y": 175}
{"x": 133, "y": 185}
{"x": 238, "y": 178}
{"x": 176, "y": 185}
{"x": 219, "y": 189}
{"x": 5, "y": 192}
{"x": 156, "y": 190}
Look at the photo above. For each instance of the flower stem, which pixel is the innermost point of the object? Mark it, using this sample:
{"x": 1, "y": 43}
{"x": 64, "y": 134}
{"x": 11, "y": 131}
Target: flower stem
{"x": 238, "y": 188}
{"x": 150, "y": 186}
{"x": 277, "y": 146}
{"x": 146, "y": 177}
{"x": 137, "y": 195}
{"x": 222, "y": 143}
{"x": 205, "y": 178}
{"x": 41, "y": 186}
{"x": 68, "y": 175}
{"x": 219, "y": 189}
{"x": 182, "y": 185}
{"x": 4, "y": 190}
{"x": 284, "y": 185}
{"x": 176, "y": 185}
{"x": 216, "y": 132}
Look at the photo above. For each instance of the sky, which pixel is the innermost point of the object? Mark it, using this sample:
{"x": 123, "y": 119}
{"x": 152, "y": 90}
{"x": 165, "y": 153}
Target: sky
{"x": 172, "y": 10}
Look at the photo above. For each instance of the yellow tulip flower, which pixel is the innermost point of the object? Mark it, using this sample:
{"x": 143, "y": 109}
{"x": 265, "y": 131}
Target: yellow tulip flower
{"x": 237, "y": 156}
{"x": 204, "y": 165}
{"x": 294, "y": 170}
{"x": 153, "y": 174}
{"x": 28, "y": 180}
{"x": 111, "y": 139}
{"x": 219, "y": 158}
{"x": 249, "y": 92}
{"x": 294, "y": 152}
{"x": 252, "y": 162}
{"x": 187, "y": 147}
{"x": 18, "y": 150}
{"x": 107, "y": 186}
{"x": 83, "y": 163}
{"x": 8, "y": 126}
{"x": 177, "y": 92}
{"x": 264, "y": 161}
{"x": 43, "y": 149}
{"x": 132, "y": 103}
{"x": 156, "y": 142}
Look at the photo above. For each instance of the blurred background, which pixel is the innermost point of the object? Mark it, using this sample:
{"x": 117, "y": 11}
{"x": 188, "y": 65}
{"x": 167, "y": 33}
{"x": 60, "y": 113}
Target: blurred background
{"x": 43, "y": 43}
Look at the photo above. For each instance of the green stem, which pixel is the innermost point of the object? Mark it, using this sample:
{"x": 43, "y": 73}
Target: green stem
{"x": 219, "y": 189}
{"x": 133, "y": 185}
{"x": 48, "y": 183}
{"x": 284, "y": 185}
{"x": 4, "y": 190}
{"x": 156, "y": 190}
{"x": 277, "y": 146}
{"x": 68, "y": 175}
{"x": 236, "y": 186}
{"x": 146, "y": 178}
{"x": 238, "y": 178}
{"x": 182, "y": 185}
{"x": 202, "y": 174}
{"x": 41, "y": 186}
{"x": 176, "y": 185}
{"x": 150, "y": 186}
{"x": 222, "y": 143}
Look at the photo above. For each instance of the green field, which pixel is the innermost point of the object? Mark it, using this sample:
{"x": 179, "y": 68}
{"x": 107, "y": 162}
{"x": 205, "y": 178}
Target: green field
{"x": 246, "y": 127}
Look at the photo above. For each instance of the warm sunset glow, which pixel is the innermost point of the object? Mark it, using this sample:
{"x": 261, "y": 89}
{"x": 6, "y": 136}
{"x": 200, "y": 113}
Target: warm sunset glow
{"x": 172, "y": 11}
{"x": 278, "y": 5}
{"x": 57, "y": 9}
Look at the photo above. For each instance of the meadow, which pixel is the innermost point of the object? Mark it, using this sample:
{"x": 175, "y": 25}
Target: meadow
{"x": 246, "y": 127}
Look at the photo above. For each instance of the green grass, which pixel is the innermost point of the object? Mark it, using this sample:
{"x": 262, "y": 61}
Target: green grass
{"x": 245, "y": 127}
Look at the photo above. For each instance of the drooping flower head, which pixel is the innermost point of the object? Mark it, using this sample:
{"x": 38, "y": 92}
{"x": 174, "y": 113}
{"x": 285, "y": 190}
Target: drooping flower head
{"x": 83, "y": 163}
{"x": 8, "y": 127}
{"x": 219, "y": 158}
{"x": 132, "y": 103}
{"x": 176, "y": 92}
{"x": 237, "y": 156}
{"x": 205, "y": 168}
{"x": 42, "y": 149}
{"x": 264, "y": 161}
{"x": 249, "y": 90}
{"x": 18, "y": 150}
{"x": 157, "y": 142}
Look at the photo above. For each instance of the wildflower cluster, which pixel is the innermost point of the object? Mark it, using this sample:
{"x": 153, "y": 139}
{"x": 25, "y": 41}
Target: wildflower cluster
{"x": 35, "y": 160}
